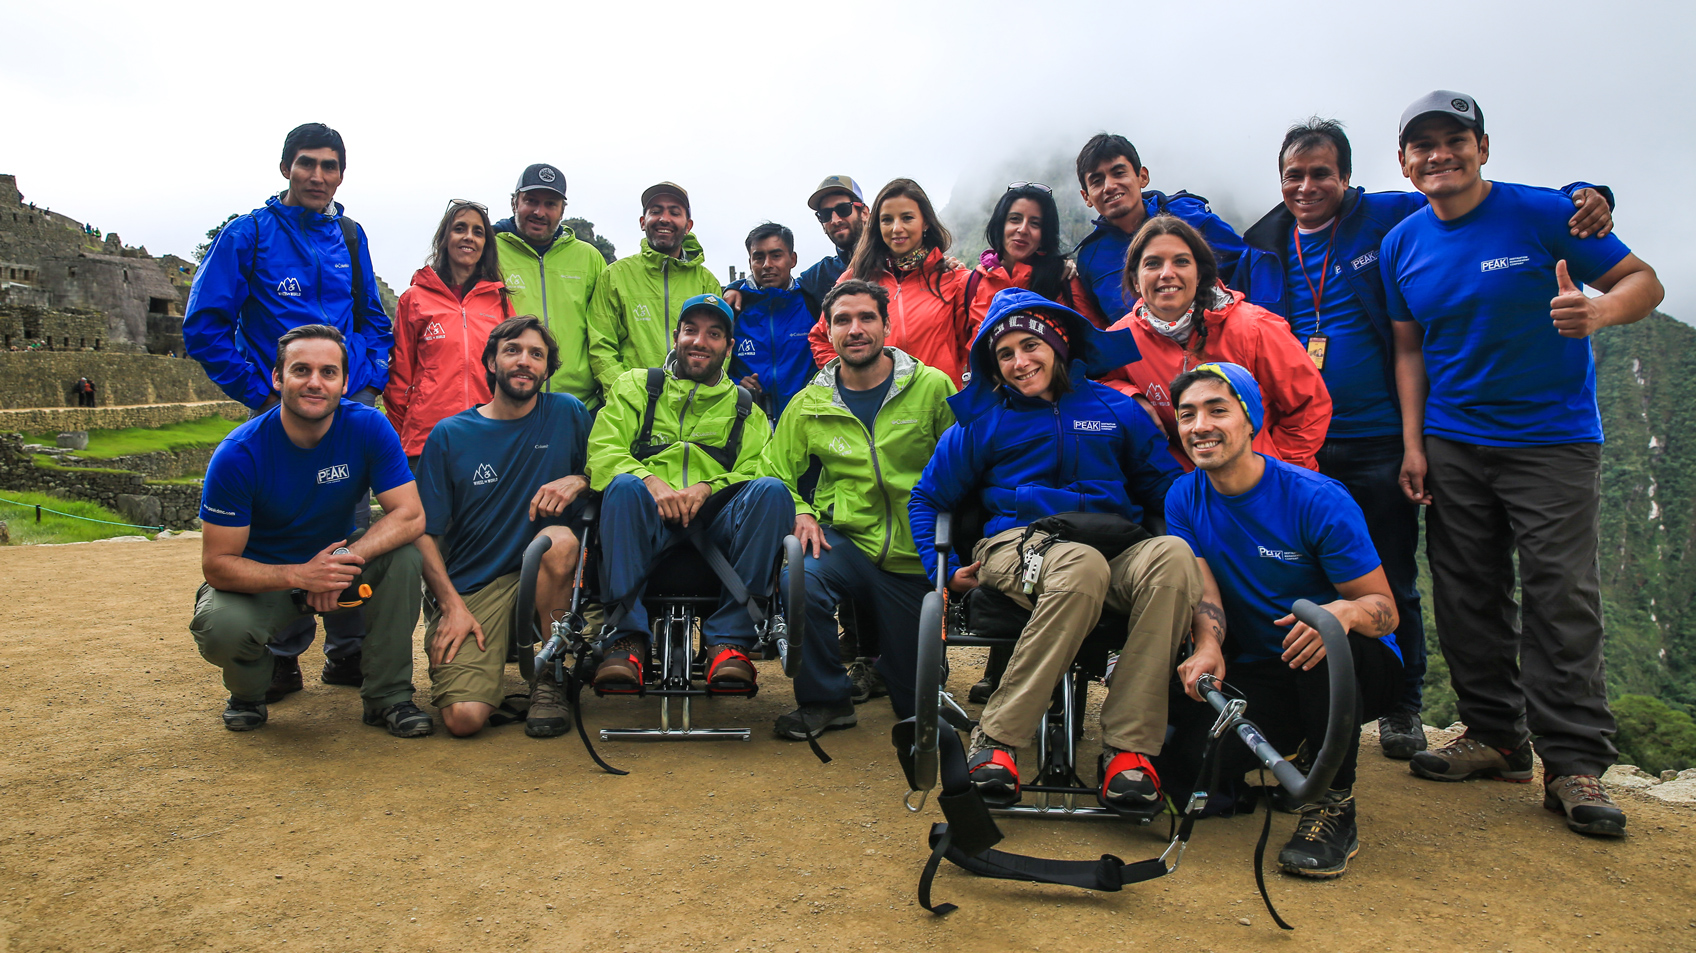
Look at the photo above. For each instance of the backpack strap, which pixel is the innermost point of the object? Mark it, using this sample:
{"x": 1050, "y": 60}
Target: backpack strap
{"x": 726, "y": 455}
{"x": 644, "y": 446}
{"x": 350, "y": 236}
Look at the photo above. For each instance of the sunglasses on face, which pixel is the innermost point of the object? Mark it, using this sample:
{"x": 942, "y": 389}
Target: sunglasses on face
{"x": 839, "y": 210}
{"x": 1029, "y": 185}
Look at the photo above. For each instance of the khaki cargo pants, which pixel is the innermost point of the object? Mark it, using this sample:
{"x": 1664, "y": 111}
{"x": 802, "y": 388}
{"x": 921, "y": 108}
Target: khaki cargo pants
{"x": 1156, "y": 584}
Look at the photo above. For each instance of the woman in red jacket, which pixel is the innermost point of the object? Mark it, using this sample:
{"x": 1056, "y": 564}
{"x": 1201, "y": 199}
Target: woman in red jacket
{"x": 441, "y": 325}
{"x": 1024, "y": 252}
{"x": 929, "y": 316}
{"x": 1184, "y": 316}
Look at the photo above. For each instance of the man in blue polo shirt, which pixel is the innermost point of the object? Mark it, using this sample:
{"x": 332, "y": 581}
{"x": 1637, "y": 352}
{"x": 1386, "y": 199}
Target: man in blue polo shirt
{"x": 772, "y": 359}
{"x": 1112, "y": 179}
{"x": 1502, "y": 436}
{"x": 493, "y": 478}
{"x": 1267, "y": 534}
{"x": 1314, "y": 259}
{"x": 279, "y": 538}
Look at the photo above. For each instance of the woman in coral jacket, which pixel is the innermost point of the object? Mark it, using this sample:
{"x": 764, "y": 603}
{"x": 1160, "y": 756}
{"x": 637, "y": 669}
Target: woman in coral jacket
{"x": 441, "y": 325}
{"x": 1168, "y": 267}
{"x": 1024, "y": 252}
{"x": 929, "y": 315}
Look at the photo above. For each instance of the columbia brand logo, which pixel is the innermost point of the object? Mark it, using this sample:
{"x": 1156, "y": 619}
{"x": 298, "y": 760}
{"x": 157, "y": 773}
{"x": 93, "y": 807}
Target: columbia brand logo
{"x": 1364, "y": 260}
{"x": 289, "y": 287}
{"x": 1497, "y": 264}
{"x": 1282, "y": 555}
{"x": 333, "y": 474}
{"x": 1094, "y": 426}
{"x": 434, "y": 332}
{"x": 483, "y": 474}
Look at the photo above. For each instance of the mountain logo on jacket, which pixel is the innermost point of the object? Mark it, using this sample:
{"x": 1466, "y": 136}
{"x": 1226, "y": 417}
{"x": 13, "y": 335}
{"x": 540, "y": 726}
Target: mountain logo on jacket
{"x": 483, "y": 474}
{"x": 515, "y": 282}
{"x": 289, "y": 288}
{"x": 435, "y": 332}
{"x": 641, "y": 313}
{"x": 745, "y": 347}
{"x": 840, "y": 445}
{"x": 334, "y": 474}
{"x": 1157, "y": 394}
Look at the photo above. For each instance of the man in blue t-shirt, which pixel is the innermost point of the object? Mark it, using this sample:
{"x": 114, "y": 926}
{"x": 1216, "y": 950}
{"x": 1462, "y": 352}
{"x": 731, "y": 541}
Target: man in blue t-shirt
{"x": 1267, "y": 534}
{"x": 493, "y": 478}
{"x": 1502, "y": 437}
{"x": 1314, "y": 260}
{"x": 279, "y": 542}
{"x": 773, "y": 359}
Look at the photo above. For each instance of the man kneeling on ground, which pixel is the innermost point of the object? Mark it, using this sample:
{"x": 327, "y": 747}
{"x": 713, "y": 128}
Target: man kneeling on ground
{"x": 667, "y": 440}
{"x": 492, "y": 479}
{"x": 871, "y": 419}
{"x": 277, "y": 515}
{"x": 1265, "y": 534}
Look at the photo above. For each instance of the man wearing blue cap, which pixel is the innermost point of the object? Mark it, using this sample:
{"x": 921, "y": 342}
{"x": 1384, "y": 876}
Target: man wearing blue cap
{"x": 1266, "y": 534}
{"x": 668, "y": 440}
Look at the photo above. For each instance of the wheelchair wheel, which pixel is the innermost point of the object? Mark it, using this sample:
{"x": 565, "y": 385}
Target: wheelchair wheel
{"x": 525, "y": 633}
{"x": 926, "y": 701}
{"x": 794, "y": 604}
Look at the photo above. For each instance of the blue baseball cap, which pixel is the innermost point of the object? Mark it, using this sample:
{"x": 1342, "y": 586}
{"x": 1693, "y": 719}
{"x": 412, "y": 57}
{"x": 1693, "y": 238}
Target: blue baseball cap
{"x": 1243, "y": 385}
{"x": 717, "y": 306}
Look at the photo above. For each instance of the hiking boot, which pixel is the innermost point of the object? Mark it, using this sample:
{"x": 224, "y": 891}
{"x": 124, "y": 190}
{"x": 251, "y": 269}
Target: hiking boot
{"x": 868, "y": 681}
{"x": 549, "y": 715}
{"x": 403, "y": 719}
{"x": 1582, "y": 799}
{"x": 811, "y": 721}
{"x": 1128, "y": 781}
{"x": 1325, "y": 839}
{"x": 285, "y": 677}
{"x": 1401, "y": 734}
{"x": 1466, "y": 758}
{"x": 620, "y": 669}
{"x": 992, "y": 769}
{"x": 729, "y": 670}
{"x": 344, "y": 670}
{"x": 979, "y": 693}
{"x": 243, "y": 716}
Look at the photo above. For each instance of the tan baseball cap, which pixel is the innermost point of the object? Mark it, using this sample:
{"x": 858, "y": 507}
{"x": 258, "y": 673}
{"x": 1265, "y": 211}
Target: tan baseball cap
{"x": 664, "y": 188}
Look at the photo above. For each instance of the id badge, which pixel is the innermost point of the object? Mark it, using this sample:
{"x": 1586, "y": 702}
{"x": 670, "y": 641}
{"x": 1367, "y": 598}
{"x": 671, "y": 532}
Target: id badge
{"x": 1316, "y": 346}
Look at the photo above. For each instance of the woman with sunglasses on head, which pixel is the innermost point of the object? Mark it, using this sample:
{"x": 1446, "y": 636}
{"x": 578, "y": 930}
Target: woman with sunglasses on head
{"x": 1024, "y": 252}
{"x": 903, "y": 249}
{"x": 441, "y": 325}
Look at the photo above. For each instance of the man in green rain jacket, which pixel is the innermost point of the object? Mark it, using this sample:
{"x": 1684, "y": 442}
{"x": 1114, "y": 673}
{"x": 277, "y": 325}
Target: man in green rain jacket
{"x": 668, "y": 440}
{"x": 637, "y": 299}
{"x": 871, "y": 418}
{"x": 551, "y": 274}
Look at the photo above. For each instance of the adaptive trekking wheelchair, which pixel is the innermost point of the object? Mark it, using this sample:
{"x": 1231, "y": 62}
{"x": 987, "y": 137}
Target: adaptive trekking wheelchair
{"x": 685, "y": 585}
{"x": 930, "y": 749}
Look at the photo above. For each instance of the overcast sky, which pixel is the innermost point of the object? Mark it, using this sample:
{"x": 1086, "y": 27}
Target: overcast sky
{"x": 157, "y": 121}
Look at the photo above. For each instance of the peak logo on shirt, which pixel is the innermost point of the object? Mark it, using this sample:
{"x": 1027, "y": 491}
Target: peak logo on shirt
{"x": 1364, "y": 260}
{"x": 1282, "y": 555}
{"x": 483, "y": 474}
{"x": 1094, "y": 426}
{"x": 334, "y": 474}
{"x": 515, "y": 282}
{"x": 1497, "y": 264}
{"x": 435, "y": 332}
{"x": 289, "y": 288}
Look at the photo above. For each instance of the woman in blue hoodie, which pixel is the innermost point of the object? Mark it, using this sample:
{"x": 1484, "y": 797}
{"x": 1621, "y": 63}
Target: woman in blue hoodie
{"x": 1036, "y": 437}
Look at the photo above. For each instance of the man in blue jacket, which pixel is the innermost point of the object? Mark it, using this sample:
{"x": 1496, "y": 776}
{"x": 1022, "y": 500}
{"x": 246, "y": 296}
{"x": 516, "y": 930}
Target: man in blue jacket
{"x": 295, "y": 261}
{"x": 1314, "y": 260}
{"x": 1111, "y": 179}
{"x": 772, "y": 358}
{"x": 841, "y": 210}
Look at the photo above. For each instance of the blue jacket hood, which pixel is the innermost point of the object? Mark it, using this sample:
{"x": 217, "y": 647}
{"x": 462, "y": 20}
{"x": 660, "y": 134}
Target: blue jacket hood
{"x": 1094, "y": 351}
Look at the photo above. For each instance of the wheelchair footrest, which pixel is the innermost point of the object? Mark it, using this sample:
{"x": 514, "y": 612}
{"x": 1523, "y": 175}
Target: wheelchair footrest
{"x": 676, "y": 734}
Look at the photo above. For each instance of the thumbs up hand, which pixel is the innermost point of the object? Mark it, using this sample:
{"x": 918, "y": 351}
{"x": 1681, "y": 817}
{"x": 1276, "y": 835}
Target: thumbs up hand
{"x": 1573, "y": 313}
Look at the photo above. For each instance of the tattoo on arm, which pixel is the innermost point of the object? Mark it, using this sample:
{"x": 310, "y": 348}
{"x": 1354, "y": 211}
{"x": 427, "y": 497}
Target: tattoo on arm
{"x": 1380, "y": 614}
{"x": 1216, "y": 615}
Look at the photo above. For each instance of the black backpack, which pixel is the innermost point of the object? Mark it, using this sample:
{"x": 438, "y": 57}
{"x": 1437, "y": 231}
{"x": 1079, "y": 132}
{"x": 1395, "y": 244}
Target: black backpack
{"x": 645, "y": 446}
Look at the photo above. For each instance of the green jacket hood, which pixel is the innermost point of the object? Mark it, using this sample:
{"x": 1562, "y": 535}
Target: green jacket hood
{"x": 694, "y": 256}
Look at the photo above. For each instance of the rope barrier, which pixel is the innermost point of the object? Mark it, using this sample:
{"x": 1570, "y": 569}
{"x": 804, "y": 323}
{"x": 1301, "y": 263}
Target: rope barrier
{"x": 39, "y": 509}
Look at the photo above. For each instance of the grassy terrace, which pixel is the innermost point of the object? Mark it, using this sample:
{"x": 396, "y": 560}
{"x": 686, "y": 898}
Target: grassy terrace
{"x": 24, "y": 530}
{"x": 104, "y": 444}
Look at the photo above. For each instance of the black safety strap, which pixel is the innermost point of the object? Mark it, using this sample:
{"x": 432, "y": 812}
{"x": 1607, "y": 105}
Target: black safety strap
{"x": 1260, "y": 858}
{"x": 618, "y": 605}
{"x": 574, "y": 689}
{"x": 350, "y": 235}
{"x": 644, "y": 445}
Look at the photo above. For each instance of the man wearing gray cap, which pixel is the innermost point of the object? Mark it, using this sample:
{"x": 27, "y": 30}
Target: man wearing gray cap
{"x": 636, "y": 301}
{"x": 551, "y": 274}
{"x": 1502, "y": 438}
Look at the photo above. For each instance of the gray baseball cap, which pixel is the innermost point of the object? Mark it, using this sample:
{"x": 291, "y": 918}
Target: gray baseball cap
{"x": 542, "y": 176}
{"x": 1443, "y": 102}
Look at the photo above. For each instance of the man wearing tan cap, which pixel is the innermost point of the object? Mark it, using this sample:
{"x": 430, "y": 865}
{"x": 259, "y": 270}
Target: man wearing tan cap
{"x": 636, "y": 300}
{"x": 841, "y": 210}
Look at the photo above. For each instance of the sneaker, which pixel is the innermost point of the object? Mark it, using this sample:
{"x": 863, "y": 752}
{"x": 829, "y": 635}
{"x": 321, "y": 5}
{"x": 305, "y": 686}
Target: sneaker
{"x": 1402, "y": 735}
{"x": 1325, "y": 839}
{"x": 243, "y": 716}
{"x": 620, "y": 670}
{"x": 1466, "y": 758}
{"x": 868, "y": 681}
{"x": 811, "y": 721}
{"x": 992, "y": 769}
{"x": 403, "y": 719}
{"x": 549, "y": 715}
{"x": 285, "y": 677}
{"x": 1128, "y": 781}
{"x": 1581, "y": 798}
{"x": 344, "y": 671}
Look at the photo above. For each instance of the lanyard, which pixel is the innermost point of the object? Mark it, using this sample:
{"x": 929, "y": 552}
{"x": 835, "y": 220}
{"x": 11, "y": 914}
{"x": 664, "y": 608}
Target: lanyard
{"x": 1324, "y": 271}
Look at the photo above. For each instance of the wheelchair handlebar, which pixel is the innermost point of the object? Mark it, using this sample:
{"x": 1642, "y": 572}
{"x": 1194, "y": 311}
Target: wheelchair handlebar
{"x": 1338, "y": 724}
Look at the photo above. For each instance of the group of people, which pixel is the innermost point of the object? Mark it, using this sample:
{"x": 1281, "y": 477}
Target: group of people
{"x": 1266, "y": 412}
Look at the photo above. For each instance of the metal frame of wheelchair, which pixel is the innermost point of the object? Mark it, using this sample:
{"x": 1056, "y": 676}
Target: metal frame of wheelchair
{"x": 677, "y": 602}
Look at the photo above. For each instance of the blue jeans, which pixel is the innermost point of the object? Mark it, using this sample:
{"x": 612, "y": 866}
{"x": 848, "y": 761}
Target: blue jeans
{"x": 893, "y": 599}
{"x": 749, "y": 530}
{"x": 1370, "y": 467}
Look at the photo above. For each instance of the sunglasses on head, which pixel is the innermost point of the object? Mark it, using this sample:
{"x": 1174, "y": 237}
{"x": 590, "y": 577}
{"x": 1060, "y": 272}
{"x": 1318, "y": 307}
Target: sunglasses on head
{"x": 467, "y": 203}
{"x": 1029, "y": 185}
{"x": 840, "y": 209}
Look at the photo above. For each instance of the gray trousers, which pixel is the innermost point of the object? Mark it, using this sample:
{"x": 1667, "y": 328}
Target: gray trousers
{"x": 1533, "y": 667}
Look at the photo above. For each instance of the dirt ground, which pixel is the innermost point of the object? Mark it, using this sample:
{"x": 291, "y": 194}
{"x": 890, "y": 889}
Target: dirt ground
{"x": 136, "y": 822}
